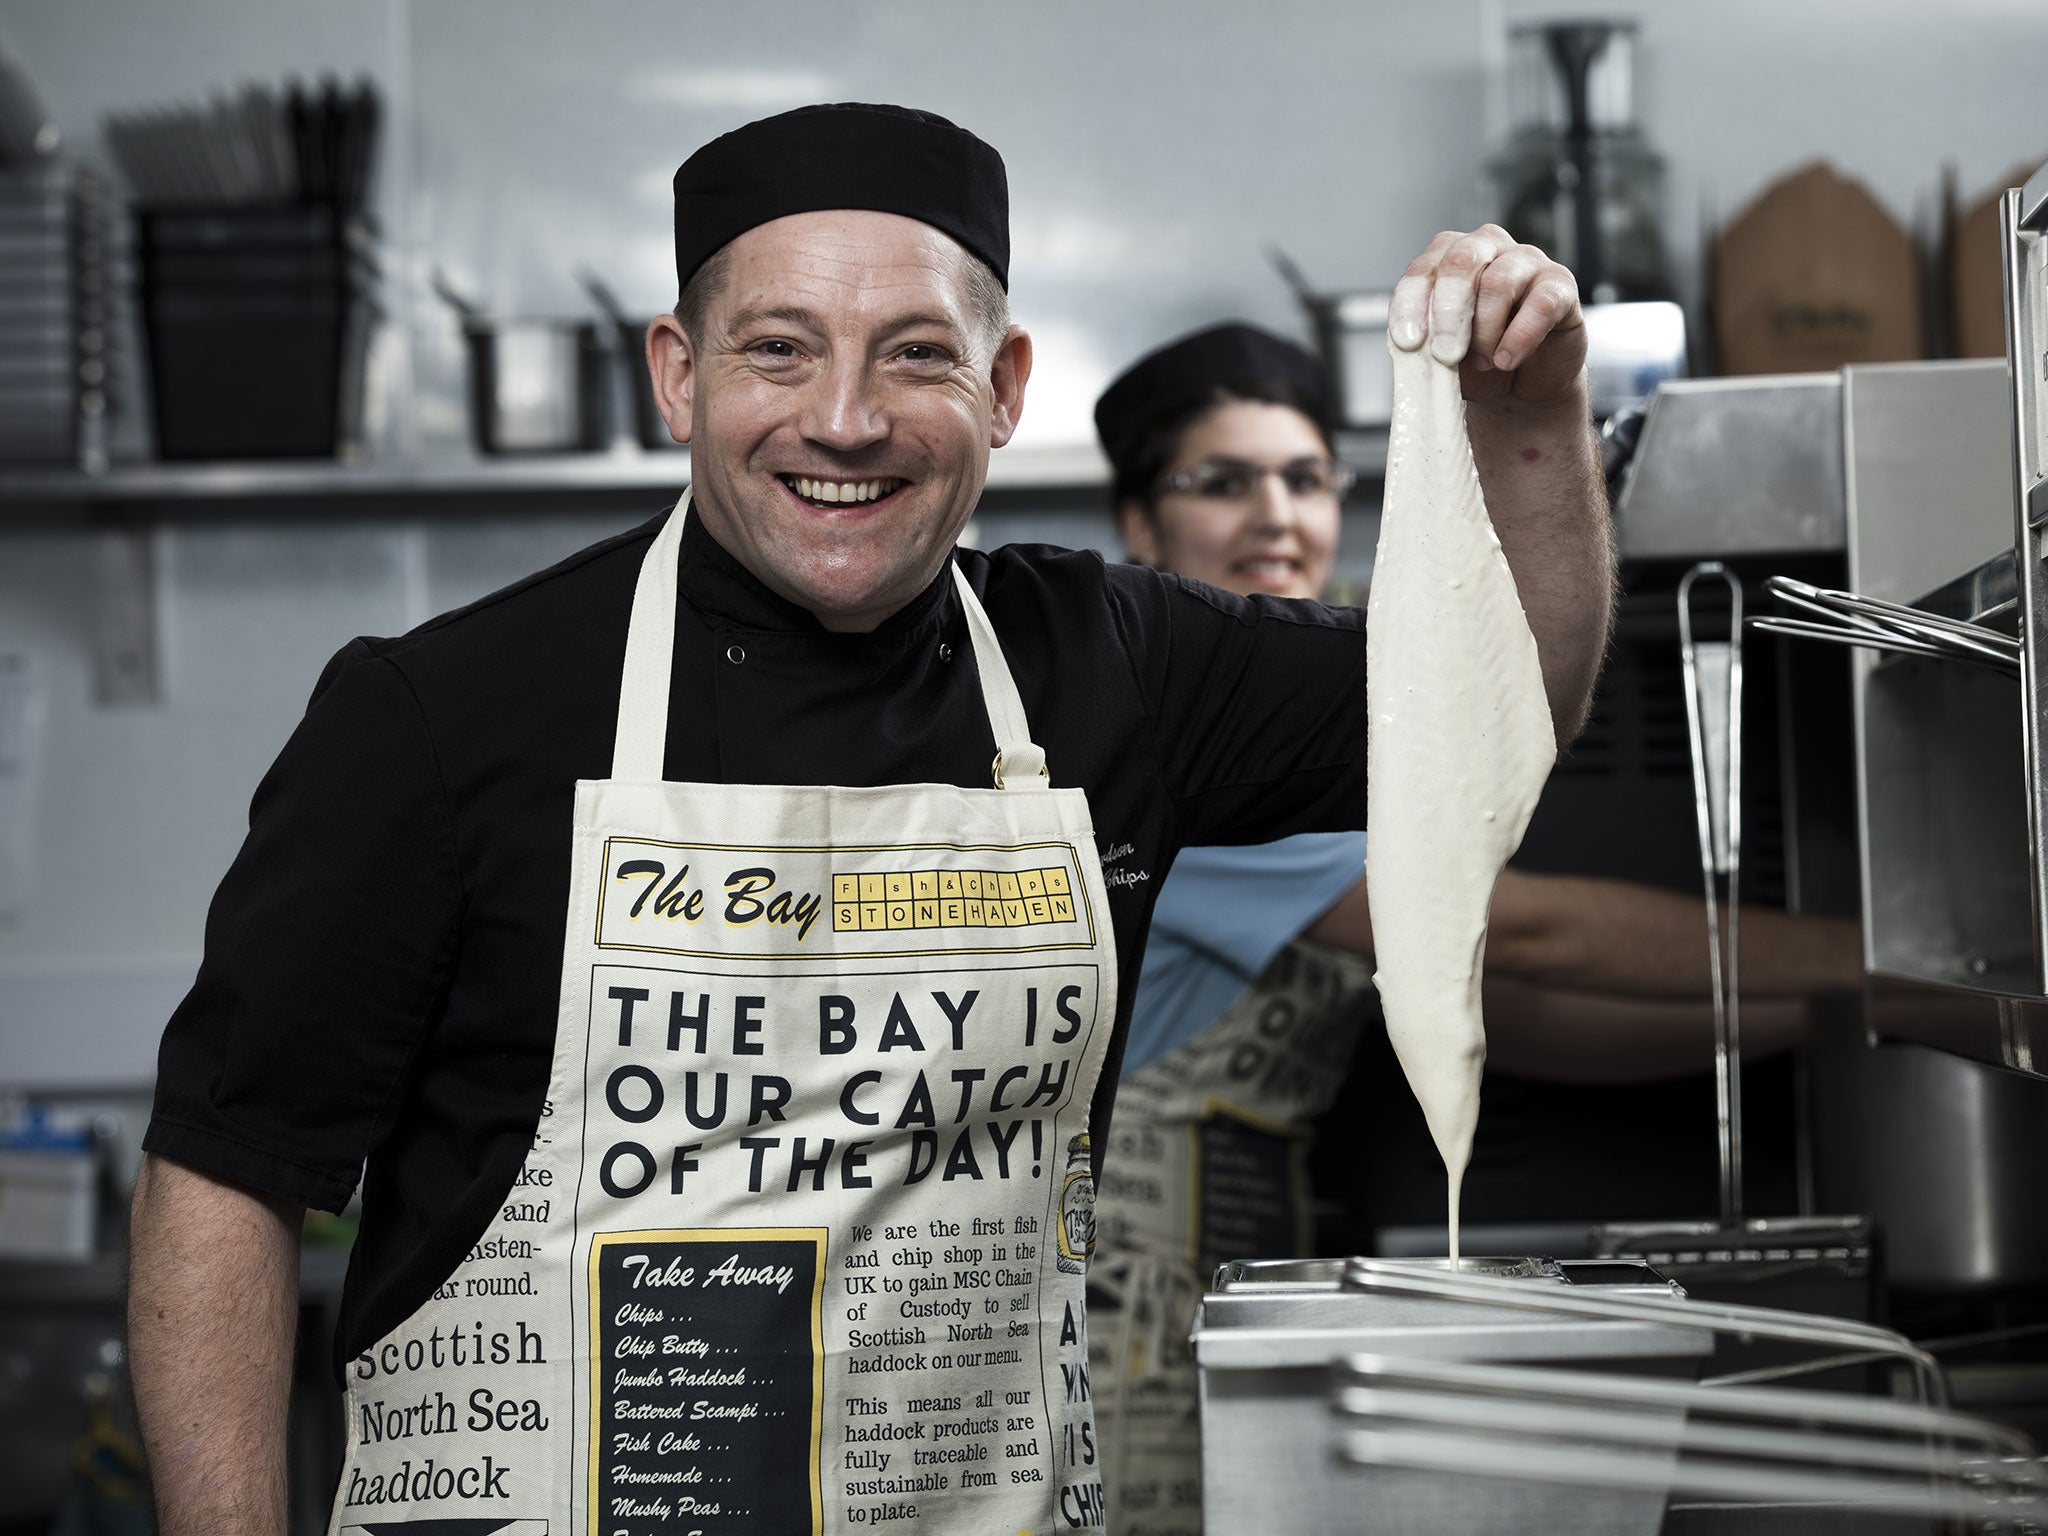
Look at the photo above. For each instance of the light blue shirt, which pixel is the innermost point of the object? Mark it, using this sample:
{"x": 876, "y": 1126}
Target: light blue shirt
{"x": 1222, "y": 915}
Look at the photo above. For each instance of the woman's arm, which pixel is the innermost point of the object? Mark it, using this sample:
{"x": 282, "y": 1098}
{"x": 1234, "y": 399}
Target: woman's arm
{"x": 1558, "y": 1035}
{"x": 1618, "y": 938}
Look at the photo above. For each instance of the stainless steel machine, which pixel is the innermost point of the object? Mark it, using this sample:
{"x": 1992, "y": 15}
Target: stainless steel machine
{"x": 1928, "y": 1113}
{"x": 1936, "y": 1121}
{"x": 1925, "y": 477}
{"x": 1912, "y": 472}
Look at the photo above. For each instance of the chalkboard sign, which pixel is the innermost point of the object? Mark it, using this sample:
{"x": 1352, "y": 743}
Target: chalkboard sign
{"x": 707, "y": 1380}
{"x": 1242, "y": 1164}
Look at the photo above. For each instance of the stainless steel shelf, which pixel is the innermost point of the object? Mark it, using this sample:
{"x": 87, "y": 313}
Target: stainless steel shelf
{"x": 286, "y": 479}
{"x": 215, "y": 490}
{"x": 624, "y": 474}
{"x": 1017, "y": 478}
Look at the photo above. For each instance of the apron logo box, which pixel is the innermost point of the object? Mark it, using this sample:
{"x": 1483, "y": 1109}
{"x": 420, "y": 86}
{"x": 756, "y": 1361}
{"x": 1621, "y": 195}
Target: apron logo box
{"x": 722, "y": 901}
{"x": 951, "y": 898}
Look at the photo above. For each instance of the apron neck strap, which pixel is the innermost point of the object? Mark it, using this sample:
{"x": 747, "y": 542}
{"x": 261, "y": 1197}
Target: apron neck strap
{"x": 1020, "y": 761}
{"x": 641, "y": 741}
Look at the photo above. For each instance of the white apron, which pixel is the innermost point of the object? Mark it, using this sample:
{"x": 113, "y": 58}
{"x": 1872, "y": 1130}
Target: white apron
{"x": 801, "y": 1241}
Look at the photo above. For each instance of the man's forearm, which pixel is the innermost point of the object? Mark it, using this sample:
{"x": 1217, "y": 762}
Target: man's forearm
{"x": 1622, "y": 939}
{"x": 1540, "y": 469}
{"x": 212, "y": 1314}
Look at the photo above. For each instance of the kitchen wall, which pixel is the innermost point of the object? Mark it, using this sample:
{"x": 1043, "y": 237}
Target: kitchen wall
{"x": 1155, "y": 151}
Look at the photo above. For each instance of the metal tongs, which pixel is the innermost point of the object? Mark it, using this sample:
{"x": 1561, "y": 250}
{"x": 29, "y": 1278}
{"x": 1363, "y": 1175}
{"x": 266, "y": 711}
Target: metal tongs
{"x": 1713, "y": 712}
{"x": 1849, "y": 618}
{"x": 1584, "y": 1430}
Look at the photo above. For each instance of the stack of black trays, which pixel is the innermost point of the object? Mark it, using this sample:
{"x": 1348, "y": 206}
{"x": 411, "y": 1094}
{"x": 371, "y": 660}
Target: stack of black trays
{"x": 256, "y": 318}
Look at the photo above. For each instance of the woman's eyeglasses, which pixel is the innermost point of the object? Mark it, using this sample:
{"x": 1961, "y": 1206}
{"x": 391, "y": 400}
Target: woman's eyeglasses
{"x": 1238, "y": 479}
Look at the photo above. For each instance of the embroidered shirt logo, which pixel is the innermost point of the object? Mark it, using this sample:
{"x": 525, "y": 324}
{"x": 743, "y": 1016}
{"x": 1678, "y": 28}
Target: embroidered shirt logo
{"x": 1114, "y": 877}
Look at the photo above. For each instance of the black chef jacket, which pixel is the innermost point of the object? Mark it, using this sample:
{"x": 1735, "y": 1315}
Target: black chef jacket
{"x": 379, "y": 989}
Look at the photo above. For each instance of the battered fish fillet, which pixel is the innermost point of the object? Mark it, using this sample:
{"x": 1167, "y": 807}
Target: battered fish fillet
{"x": 1461, "y": 742}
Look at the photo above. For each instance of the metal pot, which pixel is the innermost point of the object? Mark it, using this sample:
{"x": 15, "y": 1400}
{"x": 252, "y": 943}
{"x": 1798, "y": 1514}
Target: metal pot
{"x": 645, "y": 415}
{"x": 1351, "y": 336}
{"x": 538, "y": 386}
{"x": 648, "y": 425}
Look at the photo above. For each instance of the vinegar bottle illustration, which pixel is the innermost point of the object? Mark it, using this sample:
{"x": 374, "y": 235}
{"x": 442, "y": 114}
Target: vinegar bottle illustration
{"x": 1077, "y": 1208}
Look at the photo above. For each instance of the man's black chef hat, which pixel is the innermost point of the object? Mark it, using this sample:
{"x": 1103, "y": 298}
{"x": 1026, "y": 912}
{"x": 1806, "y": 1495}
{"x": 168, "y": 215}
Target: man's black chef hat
{"x": 1224, "y": 359}
{"x": 851, "y": 155}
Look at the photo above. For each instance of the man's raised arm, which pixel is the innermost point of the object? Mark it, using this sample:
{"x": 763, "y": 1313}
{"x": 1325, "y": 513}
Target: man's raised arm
{"x": 213, "y": 1306}
{"x": 1509, "y": 316}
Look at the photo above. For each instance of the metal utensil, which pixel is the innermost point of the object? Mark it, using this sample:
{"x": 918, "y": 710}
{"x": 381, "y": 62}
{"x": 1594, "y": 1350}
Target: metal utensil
{"x": 1836, "y": 1337}
{"x": 279, "y": 170}
{"x": 151, "y": 168}
{"x": 1713, "y": 712}
{"x": 210, "y": 176}
{"x": 1850, "y": 618}
{"x": 465, "y": 308}
{"x": 300, "y": 118}
{"x": 365, "y": 119}
{"x": 27, "y": 131}
{"x": 333, "y": 121}
{"x": 602, "y": 296}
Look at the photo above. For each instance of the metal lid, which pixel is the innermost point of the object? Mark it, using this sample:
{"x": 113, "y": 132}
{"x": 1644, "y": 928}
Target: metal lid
{"x": 1288, "y": 1313}
{"x": 1241, "y": 1275}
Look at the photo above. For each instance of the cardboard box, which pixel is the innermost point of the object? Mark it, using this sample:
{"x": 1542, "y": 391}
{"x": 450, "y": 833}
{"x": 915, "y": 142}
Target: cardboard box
{"x": 1814, "y": 274}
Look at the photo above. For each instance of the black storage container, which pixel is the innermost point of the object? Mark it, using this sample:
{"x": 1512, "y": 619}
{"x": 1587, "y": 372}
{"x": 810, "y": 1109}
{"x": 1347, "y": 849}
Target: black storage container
{"x": 256, "y": 320}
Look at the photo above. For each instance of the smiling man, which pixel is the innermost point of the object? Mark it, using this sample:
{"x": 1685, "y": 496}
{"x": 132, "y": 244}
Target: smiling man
{"x": 712, "y": 954}
{"x": 840, "y": 376}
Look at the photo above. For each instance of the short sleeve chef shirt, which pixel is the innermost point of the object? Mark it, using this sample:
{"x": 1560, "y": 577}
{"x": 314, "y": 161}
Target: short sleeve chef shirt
{"x": 1221, "y": 917}
{"x": 379, "y": 988}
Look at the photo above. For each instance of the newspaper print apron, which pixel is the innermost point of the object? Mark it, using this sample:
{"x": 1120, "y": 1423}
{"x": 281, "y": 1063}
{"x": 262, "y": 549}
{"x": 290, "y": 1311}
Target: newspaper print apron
{"x": 1206, "y": 1164}
{"x": 800, "y": 1245}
